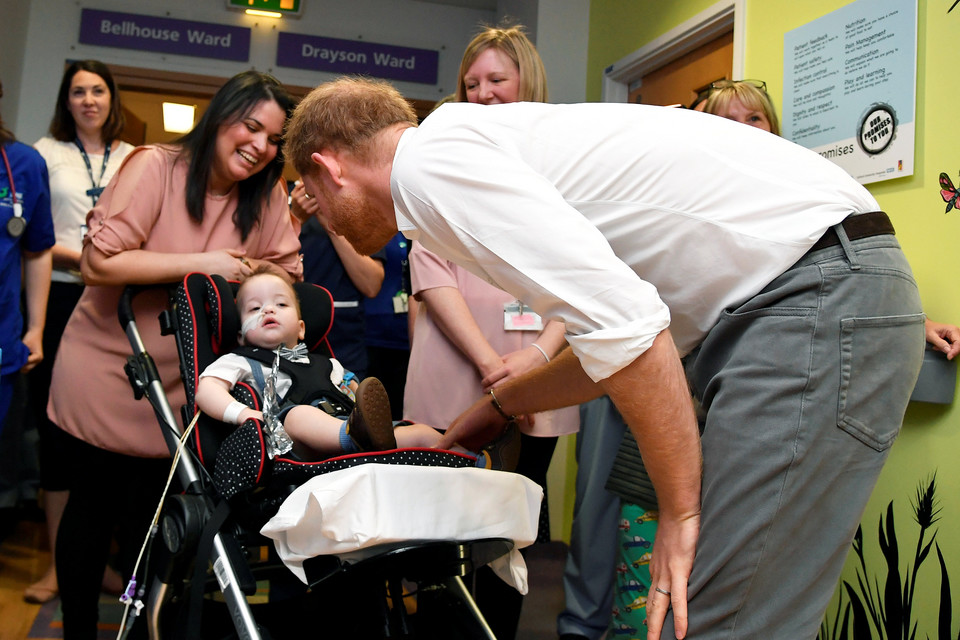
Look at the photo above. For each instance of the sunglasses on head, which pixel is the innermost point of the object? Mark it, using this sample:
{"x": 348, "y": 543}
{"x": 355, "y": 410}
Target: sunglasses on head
{"x": 723, "y": 84}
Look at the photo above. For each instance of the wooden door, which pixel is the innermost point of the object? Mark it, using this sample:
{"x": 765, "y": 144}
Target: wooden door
{"x": 134, "y": 128}
{"x": 679, "y": 81}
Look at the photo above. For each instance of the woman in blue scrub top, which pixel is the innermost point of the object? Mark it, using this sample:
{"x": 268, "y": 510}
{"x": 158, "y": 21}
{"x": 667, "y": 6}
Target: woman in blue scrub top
{"x": 26, "y": 237}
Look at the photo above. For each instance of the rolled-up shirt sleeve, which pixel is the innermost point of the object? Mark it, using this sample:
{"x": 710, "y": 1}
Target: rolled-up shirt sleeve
{"x": 513, "y": 228}
{"x": 130, "y": 205}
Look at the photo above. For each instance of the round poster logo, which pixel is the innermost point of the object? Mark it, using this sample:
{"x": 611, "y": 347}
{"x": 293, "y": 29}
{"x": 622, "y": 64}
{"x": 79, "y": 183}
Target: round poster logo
{"x": 877, "y": 129}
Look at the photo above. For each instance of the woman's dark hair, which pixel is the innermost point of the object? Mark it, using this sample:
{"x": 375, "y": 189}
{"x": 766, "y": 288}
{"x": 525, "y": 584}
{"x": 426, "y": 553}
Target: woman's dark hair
{"x": 5, "y": 134}
{"x": 63, "y": 127}
{"x": 231, "y": 104}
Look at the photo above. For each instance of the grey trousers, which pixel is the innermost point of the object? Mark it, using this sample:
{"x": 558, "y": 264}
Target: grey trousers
{"x": 803, "y": 390}
{"x": 588, "y": 576}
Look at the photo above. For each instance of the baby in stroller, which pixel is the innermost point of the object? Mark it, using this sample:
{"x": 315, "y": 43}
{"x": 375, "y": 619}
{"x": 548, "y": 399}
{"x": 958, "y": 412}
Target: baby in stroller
{"x": 316, "y": 392}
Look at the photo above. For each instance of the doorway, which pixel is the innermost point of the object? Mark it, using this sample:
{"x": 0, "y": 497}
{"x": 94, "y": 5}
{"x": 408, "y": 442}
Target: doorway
{"x": 143, "y": 92}
{"x": 680, "y": 81}
{"x": 627, "y": 75}
{"x": 144, "y": 114}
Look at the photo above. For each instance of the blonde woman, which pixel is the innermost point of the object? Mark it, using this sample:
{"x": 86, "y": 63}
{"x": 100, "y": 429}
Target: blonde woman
{"x": 467, "y": 335}
{"x": 745, "y": 101}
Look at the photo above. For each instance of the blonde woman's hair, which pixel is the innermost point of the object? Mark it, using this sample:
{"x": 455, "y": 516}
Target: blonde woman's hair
{"x": 748, "y": 93}
{"x": 513, "y": 42}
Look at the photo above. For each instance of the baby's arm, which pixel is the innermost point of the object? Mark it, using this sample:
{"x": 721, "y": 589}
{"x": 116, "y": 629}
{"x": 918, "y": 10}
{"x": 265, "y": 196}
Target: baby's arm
{"x": 214, "y": 399}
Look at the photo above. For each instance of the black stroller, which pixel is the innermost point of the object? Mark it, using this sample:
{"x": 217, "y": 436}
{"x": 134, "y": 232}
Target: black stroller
{"x": 205, "y": 570}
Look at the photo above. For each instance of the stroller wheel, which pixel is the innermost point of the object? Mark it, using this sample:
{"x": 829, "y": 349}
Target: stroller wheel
{"x": 182, "y": 522}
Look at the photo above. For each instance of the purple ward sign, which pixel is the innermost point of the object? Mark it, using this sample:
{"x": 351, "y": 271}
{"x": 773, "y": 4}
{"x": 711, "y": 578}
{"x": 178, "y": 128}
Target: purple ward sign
{"x": 164, "y": 35}
{"x": 334, "y": 55}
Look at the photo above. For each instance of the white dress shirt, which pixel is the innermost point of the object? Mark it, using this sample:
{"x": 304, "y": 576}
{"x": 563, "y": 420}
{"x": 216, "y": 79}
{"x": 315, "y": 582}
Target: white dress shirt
{"x": 620, "y": 220}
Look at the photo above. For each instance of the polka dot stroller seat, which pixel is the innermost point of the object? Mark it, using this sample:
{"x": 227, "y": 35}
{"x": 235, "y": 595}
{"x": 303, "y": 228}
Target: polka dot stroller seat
{"x": 232, "y": 488}
{"x": 244, "y": 474}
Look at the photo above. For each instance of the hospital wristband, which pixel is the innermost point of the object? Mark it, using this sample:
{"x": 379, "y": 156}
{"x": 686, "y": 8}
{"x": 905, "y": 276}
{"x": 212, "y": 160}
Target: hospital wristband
{"x": 540, "y": 349}
{"x": 231, "y": 414}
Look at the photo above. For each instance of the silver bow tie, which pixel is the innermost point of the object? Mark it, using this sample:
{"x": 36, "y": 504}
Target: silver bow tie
{"x": 297, "y": 353}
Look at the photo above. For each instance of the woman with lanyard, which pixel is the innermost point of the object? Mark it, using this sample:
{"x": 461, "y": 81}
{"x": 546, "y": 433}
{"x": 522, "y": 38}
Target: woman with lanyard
{"x": 26, "y": 236}
{"x": 210, "y": 202}
{"x": 83, "y": 151}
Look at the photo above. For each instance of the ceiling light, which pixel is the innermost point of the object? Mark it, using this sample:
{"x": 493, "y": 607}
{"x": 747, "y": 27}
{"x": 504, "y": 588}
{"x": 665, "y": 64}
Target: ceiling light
{"x": 263, "y": 14}
{"x": 178, "y": 118}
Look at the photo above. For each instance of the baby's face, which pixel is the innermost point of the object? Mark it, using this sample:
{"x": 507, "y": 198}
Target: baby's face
{"x": 268, "y": 313}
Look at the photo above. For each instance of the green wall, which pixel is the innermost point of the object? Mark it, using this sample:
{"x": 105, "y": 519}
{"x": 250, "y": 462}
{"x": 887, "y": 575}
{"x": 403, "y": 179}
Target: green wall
{"x": 930, "y": 440}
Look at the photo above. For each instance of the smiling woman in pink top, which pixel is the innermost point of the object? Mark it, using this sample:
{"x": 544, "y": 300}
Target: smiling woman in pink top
{"x": 213, "y": 202}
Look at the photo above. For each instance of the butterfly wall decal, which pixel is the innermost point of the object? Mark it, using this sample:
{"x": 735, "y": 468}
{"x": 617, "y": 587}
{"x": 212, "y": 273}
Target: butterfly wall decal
{"x": 948, "y": 192}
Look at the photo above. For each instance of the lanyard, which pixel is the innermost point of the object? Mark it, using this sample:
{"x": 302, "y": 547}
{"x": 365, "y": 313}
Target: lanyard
{"x": 15, "y": 225}
{"x": 94, "y": 192}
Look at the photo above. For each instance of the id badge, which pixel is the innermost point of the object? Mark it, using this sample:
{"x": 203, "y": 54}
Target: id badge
{"x": 400, "y": 303}
{"x": 519, "y": 317}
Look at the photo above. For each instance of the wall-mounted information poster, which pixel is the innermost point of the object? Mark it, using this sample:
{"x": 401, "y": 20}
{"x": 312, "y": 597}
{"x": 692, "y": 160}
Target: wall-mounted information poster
{"x": 849, "y": 87}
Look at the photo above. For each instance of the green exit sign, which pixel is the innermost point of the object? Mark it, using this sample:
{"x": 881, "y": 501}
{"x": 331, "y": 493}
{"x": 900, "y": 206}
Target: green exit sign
{"x": 284, "y": 7}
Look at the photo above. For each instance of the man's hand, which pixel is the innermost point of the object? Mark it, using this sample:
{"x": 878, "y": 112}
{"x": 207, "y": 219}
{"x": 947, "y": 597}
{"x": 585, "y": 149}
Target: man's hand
{"x": 674, "y": 547}
{"x": 654, "y": 399}
{"x": 475, "y": 427}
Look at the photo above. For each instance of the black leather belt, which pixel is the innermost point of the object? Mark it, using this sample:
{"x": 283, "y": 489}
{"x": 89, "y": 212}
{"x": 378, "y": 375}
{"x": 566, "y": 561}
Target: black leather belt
{"x": 863, "y": 225}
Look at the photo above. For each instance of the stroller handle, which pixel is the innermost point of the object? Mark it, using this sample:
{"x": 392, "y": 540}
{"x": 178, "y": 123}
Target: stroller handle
{"x": 125, "y": 308}
{"x": 145, "y": 378}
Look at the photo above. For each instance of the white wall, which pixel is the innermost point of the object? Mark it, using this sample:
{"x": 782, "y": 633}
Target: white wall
{"x": 519, "y": 11}
{"x": 13, "y": 36}
{"x": 562, "y": 37}
{"x": 51, "y": 31}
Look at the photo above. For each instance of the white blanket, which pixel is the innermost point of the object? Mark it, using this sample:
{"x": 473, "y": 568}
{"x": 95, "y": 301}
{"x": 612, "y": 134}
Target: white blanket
{"x": 353, "y": 513}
